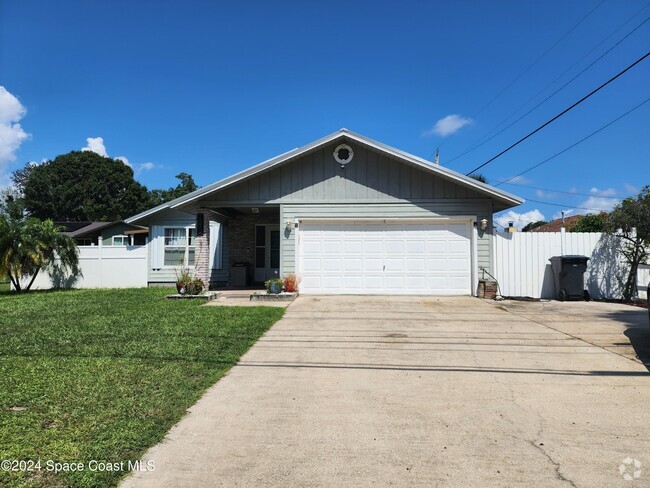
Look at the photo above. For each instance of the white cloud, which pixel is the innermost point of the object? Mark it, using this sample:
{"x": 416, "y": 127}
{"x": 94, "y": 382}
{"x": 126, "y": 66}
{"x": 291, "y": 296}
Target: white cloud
{"x": 519, "y": 219}
{"x": 96, "y": 145}
{"x": 545, "y": 194}
{"x": 12, "y": 134}
{"x": 609, "y": 192}
{"x": 448, "y": 125}
{"x": 597, "y": 203}
{"x": 631, "y": 189}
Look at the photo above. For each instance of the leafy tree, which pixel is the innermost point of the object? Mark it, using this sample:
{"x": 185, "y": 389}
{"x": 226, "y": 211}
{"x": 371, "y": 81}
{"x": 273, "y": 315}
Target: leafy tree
{"x": 187, "y": 185}
{"x": 80, "y": 186}
{"x": 479, "y": 177}
{"x": 590, "y": 223}
{"x": 11, "y": 203}
{"x": 630, "y": 220}
{"x": 533, "y": 225}
{"x": 29, "y": 245}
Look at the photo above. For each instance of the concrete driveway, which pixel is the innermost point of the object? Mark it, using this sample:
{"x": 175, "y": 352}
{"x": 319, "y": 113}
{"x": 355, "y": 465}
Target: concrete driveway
{"x": 420, "y": 391}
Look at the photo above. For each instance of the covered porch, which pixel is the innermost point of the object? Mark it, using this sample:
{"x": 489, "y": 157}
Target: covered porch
{"x": 249, "y": 245}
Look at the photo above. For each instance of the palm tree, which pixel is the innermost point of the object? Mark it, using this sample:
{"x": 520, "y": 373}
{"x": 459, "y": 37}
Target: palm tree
{"x": 29, "y": 245}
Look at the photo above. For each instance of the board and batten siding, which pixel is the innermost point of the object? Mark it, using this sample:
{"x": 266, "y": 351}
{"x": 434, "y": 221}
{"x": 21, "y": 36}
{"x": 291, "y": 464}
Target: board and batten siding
{"x": 316, "y": 177}
{"x": 479, "y": 208}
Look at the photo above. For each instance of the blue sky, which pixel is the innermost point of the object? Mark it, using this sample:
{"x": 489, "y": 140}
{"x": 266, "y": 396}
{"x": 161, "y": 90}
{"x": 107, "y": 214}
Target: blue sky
{"x": 214, "y": 87}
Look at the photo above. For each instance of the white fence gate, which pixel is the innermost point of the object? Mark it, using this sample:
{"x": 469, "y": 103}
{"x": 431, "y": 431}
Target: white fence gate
{"x": 101, "y": 267}
{"x": 522, "y": 266}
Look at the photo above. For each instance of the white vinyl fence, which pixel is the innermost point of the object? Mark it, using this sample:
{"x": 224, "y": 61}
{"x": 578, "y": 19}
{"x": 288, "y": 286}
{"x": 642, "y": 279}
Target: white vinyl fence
{"x": 522, "y": 266}
{"x": 101, "y": 267}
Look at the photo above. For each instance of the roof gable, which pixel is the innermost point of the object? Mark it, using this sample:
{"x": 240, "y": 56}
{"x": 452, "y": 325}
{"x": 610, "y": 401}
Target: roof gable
{"x": 506, "y": 200}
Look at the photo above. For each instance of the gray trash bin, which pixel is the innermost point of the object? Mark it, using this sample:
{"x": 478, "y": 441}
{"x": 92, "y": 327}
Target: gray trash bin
{"x": 569, "y": 277}
{"x": 239, "y": 275}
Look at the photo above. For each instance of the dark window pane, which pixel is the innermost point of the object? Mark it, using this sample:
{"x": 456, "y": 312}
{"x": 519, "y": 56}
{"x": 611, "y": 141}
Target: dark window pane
{"x": 259, "y": 257}
{"x": 275, "y": 258}
{"x": 260, "y": 234}
{"x": 275, "y": 240}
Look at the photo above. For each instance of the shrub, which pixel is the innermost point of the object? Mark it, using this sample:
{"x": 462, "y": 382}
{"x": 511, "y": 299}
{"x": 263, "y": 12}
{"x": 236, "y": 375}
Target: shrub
{"x": 291, "y": 282}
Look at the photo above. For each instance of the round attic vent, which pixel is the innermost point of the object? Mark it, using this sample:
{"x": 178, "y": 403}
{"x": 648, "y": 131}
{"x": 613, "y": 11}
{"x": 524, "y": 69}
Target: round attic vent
{"x": 343, "y": 154}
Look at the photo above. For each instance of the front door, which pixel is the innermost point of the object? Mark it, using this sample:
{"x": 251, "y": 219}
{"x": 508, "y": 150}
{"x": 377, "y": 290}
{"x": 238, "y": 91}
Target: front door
{"x": 267, "y": 252}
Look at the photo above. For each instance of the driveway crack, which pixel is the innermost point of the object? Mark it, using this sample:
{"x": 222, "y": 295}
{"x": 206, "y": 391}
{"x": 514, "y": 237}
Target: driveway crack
{"x": 558, "y": 474}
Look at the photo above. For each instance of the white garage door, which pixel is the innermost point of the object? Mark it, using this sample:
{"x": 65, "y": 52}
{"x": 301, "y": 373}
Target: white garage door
{"x": 373, "y": 258}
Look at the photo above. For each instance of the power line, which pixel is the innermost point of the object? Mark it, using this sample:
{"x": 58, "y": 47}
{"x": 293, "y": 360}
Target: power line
{"x": 539, "y": 58}
{"x": 530, "y": 134}
{"x": 575, "y": 143}
{"x": 488, "y": 139}
{"x": 566, "y": 206}
{"x": 565, "y": 192}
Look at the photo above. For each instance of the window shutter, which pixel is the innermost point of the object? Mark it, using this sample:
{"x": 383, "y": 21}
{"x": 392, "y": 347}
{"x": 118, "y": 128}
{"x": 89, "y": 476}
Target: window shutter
{"x": 215, "y": 245}
{"x": 157, "y": 250}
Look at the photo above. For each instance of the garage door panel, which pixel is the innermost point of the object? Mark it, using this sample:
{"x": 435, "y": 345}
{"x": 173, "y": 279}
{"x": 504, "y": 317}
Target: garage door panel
{"x": 391, "y": 245}
{"x": 352, "y": 265}
{"x": 394, "y": 264}
{"x": 311, "y": 265}
{"x": 353, "y": 282}
{"x": 353, "y": 246}
{"x": 335, "y": 264}
{"x": 373, "y": 264}
{"x": 436, "y": 247}
{"x": 378, "y": 258}
{"x": 415, "y": 265}
{"x": 457, "y": 265}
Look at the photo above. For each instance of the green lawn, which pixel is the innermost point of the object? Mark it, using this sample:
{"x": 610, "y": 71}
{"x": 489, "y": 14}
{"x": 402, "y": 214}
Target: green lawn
{"x": 103, "y": 374}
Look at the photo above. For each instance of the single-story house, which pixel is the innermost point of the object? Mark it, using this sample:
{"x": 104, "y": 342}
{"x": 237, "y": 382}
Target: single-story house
{"x": 557, "y": 224}
{"x": 117, "y": 233}
{"x": 348, "y": 214}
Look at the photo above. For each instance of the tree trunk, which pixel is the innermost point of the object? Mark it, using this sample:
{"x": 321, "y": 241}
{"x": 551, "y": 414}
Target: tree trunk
{"x": 15, "y": 282}
{"x": 33, "y": 278}
{"x": 630, "y": 284}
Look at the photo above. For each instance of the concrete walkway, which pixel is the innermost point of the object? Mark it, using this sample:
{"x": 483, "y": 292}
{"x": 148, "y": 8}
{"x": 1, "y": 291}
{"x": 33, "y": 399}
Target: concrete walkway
{"x": 415, "y": 391}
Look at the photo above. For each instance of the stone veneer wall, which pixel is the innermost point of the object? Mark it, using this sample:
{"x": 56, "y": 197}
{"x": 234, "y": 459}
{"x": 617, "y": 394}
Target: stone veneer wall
{"x": 202, "y": 250}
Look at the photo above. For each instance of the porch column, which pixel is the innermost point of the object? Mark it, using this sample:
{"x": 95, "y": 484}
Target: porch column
{"x": 202, "y": 247}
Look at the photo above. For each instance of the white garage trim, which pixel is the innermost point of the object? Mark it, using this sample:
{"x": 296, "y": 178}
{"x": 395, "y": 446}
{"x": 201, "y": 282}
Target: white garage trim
{"x": 470, "y": 234}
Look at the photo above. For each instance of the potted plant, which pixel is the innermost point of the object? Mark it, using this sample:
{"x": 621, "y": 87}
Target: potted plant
{"x": 291, "y": 282}
{"x": 195, "y": 286}
{"x": 274, "y": 285}
{"x": 183, "y": 279}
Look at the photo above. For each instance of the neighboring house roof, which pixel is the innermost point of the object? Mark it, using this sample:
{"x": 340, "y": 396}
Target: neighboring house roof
{"x": 93, "y": 227}
{"x": 449, "y": 174}
{"x": 556, "y": 225}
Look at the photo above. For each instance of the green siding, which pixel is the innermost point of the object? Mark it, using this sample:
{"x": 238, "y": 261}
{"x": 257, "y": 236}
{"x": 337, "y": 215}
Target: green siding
{"x": 316, "y": 177}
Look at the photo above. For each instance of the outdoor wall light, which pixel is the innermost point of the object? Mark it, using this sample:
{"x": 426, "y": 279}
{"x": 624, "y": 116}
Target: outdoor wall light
{"x": 484, "y": 223}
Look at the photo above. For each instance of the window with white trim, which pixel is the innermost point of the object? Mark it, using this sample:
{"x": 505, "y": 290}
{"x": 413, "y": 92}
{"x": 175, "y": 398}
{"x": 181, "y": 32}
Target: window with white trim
{"x": 178, "y": 246}
{"x": 120, "y": 240}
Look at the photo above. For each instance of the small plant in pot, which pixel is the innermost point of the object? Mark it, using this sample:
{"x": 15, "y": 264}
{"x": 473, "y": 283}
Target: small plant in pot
{"x": 274, "y": 286}
{"x": 195, "y": 287}
{"x": 183, "y": 279}
{"x": 187, "y": 284}
{"x": 291, "y": 282}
